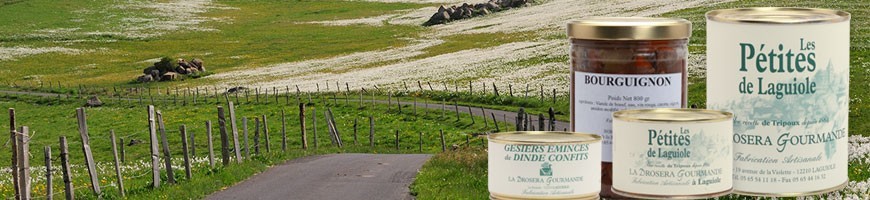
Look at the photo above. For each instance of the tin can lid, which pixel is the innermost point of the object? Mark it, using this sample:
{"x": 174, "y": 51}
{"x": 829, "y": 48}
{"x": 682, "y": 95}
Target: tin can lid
{"x": 543, "y": 137}
{"x": 778, "y": 15}
{"x": 667, "y": 115}
{"x": 629, "y": 28}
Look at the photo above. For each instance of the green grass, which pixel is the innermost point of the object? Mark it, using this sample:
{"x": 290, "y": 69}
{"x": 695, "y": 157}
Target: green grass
{"x": 456, "y": 43}
{"x": 50, "y": 118}
{"x": 457, "y": 174}
{"x": 258, "y": 34}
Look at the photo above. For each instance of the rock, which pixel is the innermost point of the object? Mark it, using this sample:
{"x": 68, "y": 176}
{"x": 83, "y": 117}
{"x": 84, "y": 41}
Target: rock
{"x": 145, "y": 78}
{"x": 455, "y": 13}
{"x": 155, "y": 74}
{"x": 149, "y": 69}
{"x": 93, "y": 101}
{"x": 182, "y": 63}
{"x": 196, "y": 62}
{"x": 439, "y": 18}
{"x": 483, "y": 11}
{"x": 170, "y": 76}
{"x": 467, "y": 12}
{"x": 492, "y": 6}
{"x": 182, "y": 70}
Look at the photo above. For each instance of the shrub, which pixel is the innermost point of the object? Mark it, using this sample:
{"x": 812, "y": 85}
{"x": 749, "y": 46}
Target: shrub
{"x": 165, "y": 65}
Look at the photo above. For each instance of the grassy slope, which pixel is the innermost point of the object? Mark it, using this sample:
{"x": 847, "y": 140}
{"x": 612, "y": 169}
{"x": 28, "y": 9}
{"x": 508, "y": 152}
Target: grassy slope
{"x": 259, "y": 33}
{"x": 50, "y": 119}
{"x": 462, "y": 174}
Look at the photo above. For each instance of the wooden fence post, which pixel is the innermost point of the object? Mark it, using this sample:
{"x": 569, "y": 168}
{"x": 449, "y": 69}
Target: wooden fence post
{"x": 421, "y": 133}
{"x": 155, "y": 157}
{"x": 14, "y": 143}
{"x": 443, "y": 145}
{"x": 283, "y": 131}
{"x": 210, "y": 143}
{"x": 184, "y": 151}
{"x": 167, "y": 157}
{"x": 456, "y": 106}
{"x": 302, "y": 125}
{"x": 371, "y": 131}
{"x": 483, "y": 112}
{"x": 511, "y": 90}
{"x": 397, "y": 139}
{"x": 335, "y": 128}
{"x": 245, "y": 146}
{"x": 48, "y": 181}
{"x": 266, "y": 133}
{"x": 256, "y": 135}
{"x": 329, "y": 129}
{"x": 314, "y": 121}
{"x": 225, "y": 142}
{"x": 541, "y": 122}
{"x": 123, "y": 153}
{"x": 86, "y": 148}
{"x": 355, "y": 141}
{"x": 120, "y": 179}
{"x": 470, "y": 115}
{"x": 552, "y": 123}
{"x": 23, "y": 139}
{"x": 192, "y": 144}
{"x": 64, "y": 167}
{"x": 235, "y": 132}
{"x": 494, "y": 122}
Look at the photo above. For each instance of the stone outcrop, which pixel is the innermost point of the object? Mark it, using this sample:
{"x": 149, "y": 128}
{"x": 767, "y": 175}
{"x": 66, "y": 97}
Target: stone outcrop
{"x": 93, "y": 101}
{"x": 165, "y": 70}
{"x": 465, "y": 11}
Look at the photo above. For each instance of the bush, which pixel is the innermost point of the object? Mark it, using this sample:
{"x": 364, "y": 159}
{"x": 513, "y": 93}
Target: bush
{"x": 165, "y": 65}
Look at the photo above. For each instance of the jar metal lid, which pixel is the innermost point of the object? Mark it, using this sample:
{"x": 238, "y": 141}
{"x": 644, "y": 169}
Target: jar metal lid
{"x": 629, "y": 28}
{"x": 777, "y": 15}
{"x": 672, "y": 115}
{"x": 543, "y": 137}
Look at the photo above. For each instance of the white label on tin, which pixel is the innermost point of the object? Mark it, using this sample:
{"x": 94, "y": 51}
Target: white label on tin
{"x": 597, "y": 96}
{"x": 672, "y": 159}
{"x": 557, "y": 170}
{"x": 788, "y": 88}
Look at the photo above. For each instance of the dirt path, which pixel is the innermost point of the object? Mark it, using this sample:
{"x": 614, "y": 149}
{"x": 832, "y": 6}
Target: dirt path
{"x": 334, "y": 176}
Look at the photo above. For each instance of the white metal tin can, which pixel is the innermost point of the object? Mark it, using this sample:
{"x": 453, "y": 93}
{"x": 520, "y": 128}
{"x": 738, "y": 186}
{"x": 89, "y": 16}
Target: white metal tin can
{"x": 784, "y": 74}
{"x": 544, "y": 165}
{"x": 672, "y": 153}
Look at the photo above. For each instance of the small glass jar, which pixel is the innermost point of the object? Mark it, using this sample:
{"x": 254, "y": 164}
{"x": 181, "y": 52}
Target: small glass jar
{"x": 620, "y": 63}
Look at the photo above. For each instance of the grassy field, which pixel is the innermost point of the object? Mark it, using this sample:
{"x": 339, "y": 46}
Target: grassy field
{"x": 112, "y": 43}
{"x": 50, "y": 118}
{"x": 462, "y": 174}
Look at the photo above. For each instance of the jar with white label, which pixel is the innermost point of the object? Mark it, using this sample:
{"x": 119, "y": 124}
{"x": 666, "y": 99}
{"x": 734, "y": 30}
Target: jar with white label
{"x": 620, "y": 63}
